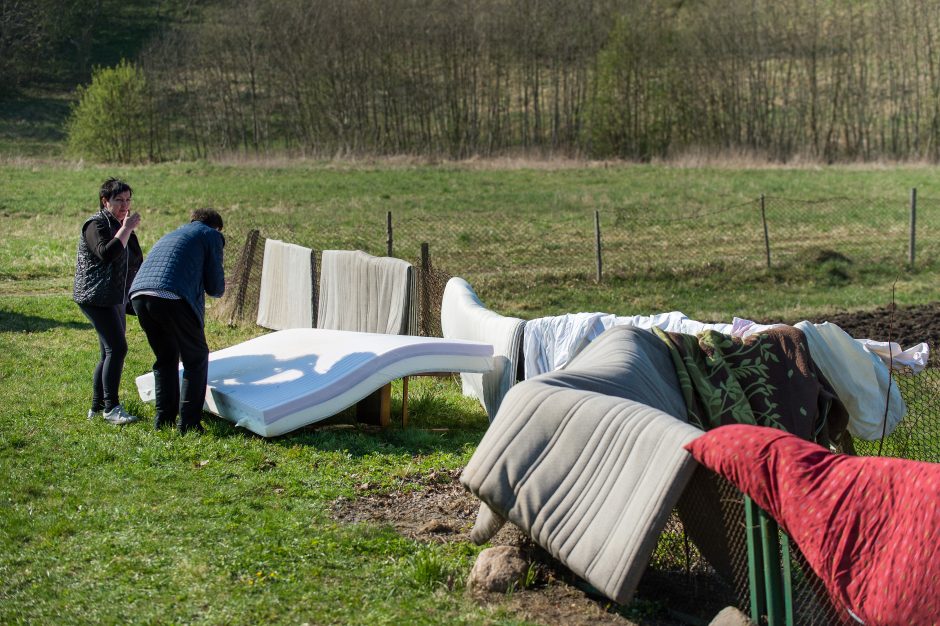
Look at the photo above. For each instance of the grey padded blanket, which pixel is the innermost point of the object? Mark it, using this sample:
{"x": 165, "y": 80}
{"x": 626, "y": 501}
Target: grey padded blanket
{"x": 363, "y": 293}
{"x": 588, "y": 460}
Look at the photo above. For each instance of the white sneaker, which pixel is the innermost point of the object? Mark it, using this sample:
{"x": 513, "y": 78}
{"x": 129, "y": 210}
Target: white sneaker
{"x": 118, "y": 416}
{"x": 93, "y": 414}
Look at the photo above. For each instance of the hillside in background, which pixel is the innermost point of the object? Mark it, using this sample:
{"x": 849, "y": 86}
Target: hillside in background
{"x": 776, "y": 80}
{"x": 49, "y": 47}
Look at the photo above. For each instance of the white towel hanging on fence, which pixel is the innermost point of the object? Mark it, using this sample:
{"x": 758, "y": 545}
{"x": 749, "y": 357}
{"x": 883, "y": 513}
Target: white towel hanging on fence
{"x": 286, "y": 298}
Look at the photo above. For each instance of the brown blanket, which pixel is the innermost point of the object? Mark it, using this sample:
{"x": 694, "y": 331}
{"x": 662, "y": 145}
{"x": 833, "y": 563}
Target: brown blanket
{"x": 768, "y": 379}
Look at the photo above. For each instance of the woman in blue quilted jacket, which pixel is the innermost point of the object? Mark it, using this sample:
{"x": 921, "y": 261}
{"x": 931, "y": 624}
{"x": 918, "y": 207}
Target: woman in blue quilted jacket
{"x": 108, "y": 257}
{"x": 168, "y": 295}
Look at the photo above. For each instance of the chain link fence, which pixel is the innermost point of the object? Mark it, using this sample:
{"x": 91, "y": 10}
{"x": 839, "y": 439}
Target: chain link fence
{"x": 637, "y": 241}
{"x": 693, "y": 572}
{"x": 511, "y": 260}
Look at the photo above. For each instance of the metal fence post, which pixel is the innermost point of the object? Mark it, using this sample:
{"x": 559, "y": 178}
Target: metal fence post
{"x": 388, "y": 230}
{"x": 913, "y": 226}
{"x": 773, "y": 578}
{"x": 789, "y": 618}
{"x": 597, "y": 242}
{"x": 763, "y": 217}
{"x": 755, "y": 561}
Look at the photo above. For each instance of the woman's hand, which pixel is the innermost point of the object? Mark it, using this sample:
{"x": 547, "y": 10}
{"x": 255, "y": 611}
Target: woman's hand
{"x": 131, "y": 220}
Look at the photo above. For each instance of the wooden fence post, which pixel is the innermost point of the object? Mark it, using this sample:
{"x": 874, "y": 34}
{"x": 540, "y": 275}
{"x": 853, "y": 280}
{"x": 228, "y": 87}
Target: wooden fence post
{"x": 425, "y": 296}
{"x": 388, "y": 230}
{"x": 763, "y": 217}
{"x": 912, "y": 247}
{"x": 247, "y": 262}
{"x": 315, "y": 289}
{"x": 597, "y": 243}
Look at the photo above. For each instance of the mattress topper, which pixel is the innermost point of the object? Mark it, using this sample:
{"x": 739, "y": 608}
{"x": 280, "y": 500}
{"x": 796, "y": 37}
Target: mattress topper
{"x": 301, "y": 375}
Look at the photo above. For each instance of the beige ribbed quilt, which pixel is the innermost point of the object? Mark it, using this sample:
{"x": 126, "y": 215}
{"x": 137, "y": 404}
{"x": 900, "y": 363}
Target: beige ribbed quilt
{"x": 364, "y": 293}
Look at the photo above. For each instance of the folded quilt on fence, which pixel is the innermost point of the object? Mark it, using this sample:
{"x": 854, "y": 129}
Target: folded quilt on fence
{"x": 768, "y": 378}
{"x": 463, "y": 316}
{"x": 867, "y": 526}
{"x": 360, "y": 292}
{"x": 287, "y": 277}
{"x": 589, "y": 460}
{"x": 284, "y": 380}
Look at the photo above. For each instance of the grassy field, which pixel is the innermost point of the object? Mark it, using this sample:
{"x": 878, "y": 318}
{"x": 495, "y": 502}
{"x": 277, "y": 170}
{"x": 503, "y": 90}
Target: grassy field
{"x": 127, "y": 525}
{"x": 107, "y": 525}
{"x": 675, "y": 238}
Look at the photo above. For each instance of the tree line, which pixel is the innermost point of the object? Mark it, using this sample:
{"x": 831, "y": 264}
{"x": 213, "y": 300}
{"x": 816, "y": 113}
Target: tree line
{"x": 58, "y": 42}
{"x": 635, "y": 79}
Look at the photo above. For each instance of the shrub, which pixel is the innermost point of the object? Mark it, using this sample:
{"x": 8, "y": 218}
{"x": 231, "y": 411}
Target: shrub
{"x": 110, "y": 121}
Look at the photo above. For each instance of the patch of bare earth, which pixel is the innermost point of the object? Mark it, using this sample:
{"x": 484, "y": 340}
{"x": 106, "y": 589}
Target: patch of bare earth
{"x": 435, "y": 508}
{"x": 906, "y": 325}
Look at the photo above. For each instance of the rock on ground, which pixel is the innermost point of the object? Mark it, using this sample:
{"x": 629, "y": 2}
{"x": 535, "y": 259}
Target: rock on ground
{"x": 499, "y": 569}
{"x": 731, "y": 616}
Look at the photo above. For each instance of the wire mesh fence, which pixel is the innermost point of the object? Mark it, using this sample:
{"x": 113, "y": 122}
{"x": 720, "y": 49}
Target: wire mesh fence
{"x": 876, "y": 231}
{"x": 766, "y": 232}
{"x": 696, "y": 570}
{"x": 532, "y": 267}
{"x": 510, "y": 260}
{"x": 917, "y": 436}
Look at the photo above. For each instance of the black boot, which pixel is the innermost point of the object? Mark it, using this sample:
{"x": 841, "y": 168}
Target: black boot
{"x": 195, "y": 427}
{"x": 161, "y": 423}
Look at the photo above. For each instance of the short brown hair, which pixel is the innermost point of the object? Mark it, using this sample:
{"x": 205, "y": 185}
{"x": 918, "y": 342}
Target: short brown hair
{"x": 209, "y": 217}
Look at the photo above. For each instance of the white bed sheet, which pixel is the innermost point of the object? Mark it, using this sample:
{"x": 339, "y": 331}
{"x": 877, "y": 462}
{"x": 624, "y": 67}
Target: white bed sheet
{"x": 287, "y": 379}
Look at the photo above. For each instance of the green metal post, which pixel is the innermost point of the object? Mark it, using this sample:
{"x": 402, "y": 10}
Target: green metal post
{"x": 770, "y": 543}
{"x": 755, "y": 561}
{"x": 787, "y": 580}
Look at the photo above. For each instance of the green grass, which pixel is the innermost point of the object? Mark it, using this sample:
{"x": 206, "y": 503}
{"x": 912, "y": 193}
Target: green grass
{"x": 104, "y": 525}
{"x": 110, "y": 525}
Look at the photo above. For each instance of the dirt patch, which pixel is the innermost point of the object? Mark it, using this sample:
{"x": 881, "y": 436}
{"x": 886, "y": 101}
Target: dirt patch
{"x": 435, "y": 508}
{"x": 905, "y": 325}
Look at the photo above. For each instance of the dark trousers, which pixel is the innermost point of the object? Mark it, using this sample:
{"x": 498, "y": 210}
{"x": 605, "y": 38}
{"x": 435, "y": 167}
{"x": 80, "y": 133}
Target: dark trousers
{"x": 175, "y": 334}
{"x": 110, "y": 323}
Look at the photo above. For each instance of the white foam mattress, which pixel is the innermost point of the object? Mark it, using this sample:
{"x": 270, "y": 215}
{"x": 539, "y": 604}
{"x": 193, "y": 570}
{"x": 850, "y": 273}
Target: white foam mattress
{"x": 287, "y": 379}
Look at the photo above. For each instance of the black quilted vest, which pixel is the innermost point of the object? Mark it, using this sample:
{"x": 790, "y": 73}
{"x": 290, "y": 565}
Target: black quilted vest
{"x": 104, "y": 284}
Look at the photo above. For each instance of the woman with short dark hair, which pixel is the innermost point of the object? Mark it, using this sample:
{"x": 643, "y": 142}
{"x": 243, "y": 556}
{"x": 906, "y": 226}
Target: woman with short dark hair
{"x": 108, "y": 258}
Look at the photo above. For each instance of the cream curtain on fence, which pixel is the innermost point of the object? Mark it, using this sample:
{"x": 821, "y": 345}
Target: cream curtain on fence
{"x": 286, "y": 298}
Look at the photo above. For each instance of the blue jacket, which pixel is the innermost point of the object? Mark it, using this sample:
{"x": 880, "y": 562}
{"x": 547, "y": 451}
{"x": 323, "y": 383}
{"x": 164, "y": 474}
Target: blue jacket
{"x": 187, "y": 262}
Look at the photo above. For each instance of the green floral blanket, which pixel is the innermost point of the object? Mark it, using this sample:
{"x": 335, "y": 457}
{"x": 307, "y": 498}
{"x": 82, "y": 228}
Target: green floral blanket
{"x": 767, "y": 379}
